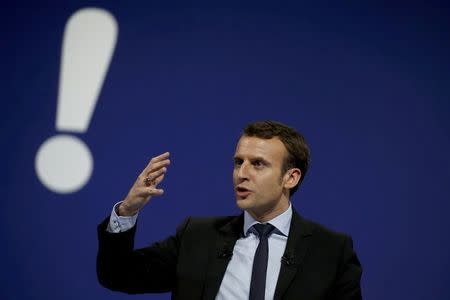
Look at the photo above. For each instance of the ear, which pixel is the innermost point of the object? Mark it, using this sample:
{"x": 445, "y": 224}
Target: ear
{"x": 292, "y": 177}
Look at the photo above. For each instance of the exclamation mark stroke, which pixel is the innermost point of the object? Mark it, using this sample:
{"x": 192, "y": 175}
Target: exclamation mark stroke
{"x": 64, "y": 162}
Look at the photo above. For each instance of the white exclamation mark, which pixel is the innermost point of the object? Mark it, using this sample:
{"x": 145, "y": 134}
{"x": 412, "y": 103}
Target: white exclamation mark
{"x": 64, "y": 163}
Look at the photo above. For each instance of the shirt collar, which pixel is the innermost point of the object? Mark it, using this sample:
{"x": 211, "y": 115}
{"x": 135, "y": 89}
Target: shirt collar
{"x": 281, "y": 222}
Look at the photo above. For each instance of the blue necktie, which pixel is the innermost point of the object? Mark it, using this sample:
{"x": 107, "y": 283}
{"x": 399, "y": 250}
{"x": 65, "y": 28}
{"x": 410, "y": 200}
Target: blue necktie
{"x": 258, "y": 283}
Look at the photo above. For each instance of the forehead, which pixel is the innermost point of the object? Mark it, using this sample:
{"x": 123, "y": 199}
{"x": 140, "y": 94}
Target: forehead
{"x": 270, "y": 149}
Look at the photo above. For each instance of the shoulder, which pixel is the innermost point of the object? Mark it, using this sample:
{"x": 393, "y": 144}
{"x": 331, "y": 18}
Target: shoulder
{"x": 330, "y": 253}
{"x": 322, "y": 235}
{"x": 325, "y": 244}
{"x": 215, "y": 221}
{"x": 208, "y": 223}
{"x": 320, "y": 229}
{"x": 204, "y": 225}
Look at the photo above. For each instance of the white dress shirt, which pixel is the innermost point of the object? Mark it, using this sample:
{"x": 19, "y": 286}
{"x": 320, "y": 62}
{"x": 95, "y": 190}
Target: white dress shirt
{"x": 120, "y": 223}
{"x": 236, "y": 281}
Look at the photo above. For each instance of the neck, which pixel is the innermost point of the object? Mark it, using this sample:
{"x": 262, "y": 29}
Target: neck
{"x": 268, "y": 214}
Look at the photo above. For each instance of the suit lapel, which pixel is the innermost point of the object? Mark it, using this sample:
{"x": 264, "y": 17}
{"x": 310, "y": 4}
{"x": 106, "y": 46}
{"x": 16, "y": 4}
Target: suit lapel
{"x": 220, "y": 255}
{"x": 294, "y": 254}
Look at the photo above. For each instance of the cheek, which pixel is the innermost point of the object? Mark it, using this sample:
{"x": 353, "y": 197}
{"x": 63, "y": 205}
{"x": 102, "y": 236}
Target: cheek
{"x": 275, "y": 184}
{"x": 269, "y": 183}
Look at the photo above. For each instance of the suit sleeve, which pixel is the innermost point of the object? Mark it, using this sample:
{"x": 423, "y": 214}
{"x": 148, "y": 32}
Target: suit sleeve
{"x": 146, "y": 270}
{"x": 347, "y": 285}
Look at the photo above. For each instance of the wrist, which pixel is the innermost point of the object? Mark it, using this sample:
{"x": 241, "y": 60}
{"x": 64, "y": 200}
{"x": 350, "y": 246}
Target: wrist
{"x": 125, "y": 211}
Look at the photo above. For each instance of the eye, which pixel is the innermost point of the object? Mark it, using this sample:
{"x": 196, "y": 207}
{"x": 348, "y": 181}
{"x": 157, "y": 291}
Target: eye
{"x": 258, "y": 163}
{"x": 237, "y": 162}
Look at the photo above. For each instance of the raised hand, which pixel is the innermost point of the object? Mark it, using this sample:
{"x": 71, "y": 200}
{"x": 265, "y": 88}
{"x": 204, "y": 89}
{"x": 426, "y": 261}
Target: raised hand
{"x": 145, "y": 186}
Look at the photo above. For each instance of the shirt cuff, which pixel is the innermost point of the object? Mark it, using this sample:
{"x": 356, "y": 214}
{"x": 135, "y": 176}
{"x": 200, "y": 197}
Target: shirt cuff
{"x": 120, "y": 223}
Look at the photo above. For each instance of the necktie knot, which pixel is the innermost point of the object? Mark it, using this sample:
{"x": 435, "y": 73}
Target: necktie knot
{"x": 264, "y": 230}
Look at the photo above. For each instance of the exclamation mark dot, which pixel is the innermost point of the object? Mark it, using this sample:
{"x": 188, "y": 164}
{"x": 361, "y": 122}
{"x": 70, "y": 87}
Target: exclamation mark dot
{"x": 64, "y": 162}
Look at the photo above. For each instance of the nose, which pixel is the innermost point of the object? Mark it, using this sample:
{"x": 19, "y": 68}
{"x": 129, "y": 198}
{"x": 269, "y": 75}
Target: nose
{"x": 242, "y": 171}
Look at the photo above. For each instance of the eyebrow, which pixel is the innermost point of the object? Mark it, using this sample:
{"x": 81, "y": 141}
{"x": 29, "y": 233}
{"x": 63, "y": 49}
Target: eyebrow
{"x": 236, "y": 157}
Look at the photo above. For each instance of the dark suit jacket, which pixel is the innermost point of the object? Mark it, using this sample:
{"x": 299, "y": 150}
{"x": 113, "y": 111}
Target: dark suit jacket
{"x": 317, "y": 263}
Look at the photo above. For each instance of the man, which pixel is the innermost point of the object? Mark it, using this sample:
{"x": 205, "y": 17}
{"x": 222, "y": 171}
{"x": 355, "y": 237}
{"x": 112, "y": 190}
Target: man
{"x": 268, "y": 252}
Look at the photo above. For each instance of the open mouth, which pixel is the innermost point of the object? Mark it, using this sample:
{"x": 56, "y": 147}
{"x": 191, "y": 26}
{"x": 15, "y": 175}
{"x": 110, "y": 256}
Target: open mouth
{"x": 242, "y": 192}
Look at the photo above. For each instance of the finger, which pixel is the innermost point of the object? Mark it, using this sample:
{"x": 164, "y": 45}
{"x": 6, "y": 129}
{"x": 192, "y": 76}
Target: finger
{"x": 149, "y": 192}
{"x": 155, "y": 177}
{"x": 159, "y": 179}
{"x": 157, "y": 192}
{"x": 153, "y": 167}
{"x": 153, "y": 163}
{"x": 159, "y": 158}
{"x": 155, "y": 159}
{"x": 156, "y": 166}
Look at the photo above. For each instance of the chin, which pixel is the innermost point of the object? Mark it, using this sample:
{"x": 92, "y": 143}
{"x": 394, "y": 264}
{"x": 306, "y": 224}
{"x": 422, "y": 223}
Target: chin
{"x": 243, "y": 203}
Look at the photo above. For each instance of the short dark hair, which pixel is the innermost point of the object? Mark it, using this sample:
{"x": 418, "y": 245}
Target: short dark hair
{"x": 296, "y": 146}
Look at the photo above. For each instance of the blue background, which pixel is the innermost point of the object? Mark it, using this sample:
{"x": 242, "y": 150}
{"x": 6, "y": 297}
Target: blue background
{"x": 367, "y": 84}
